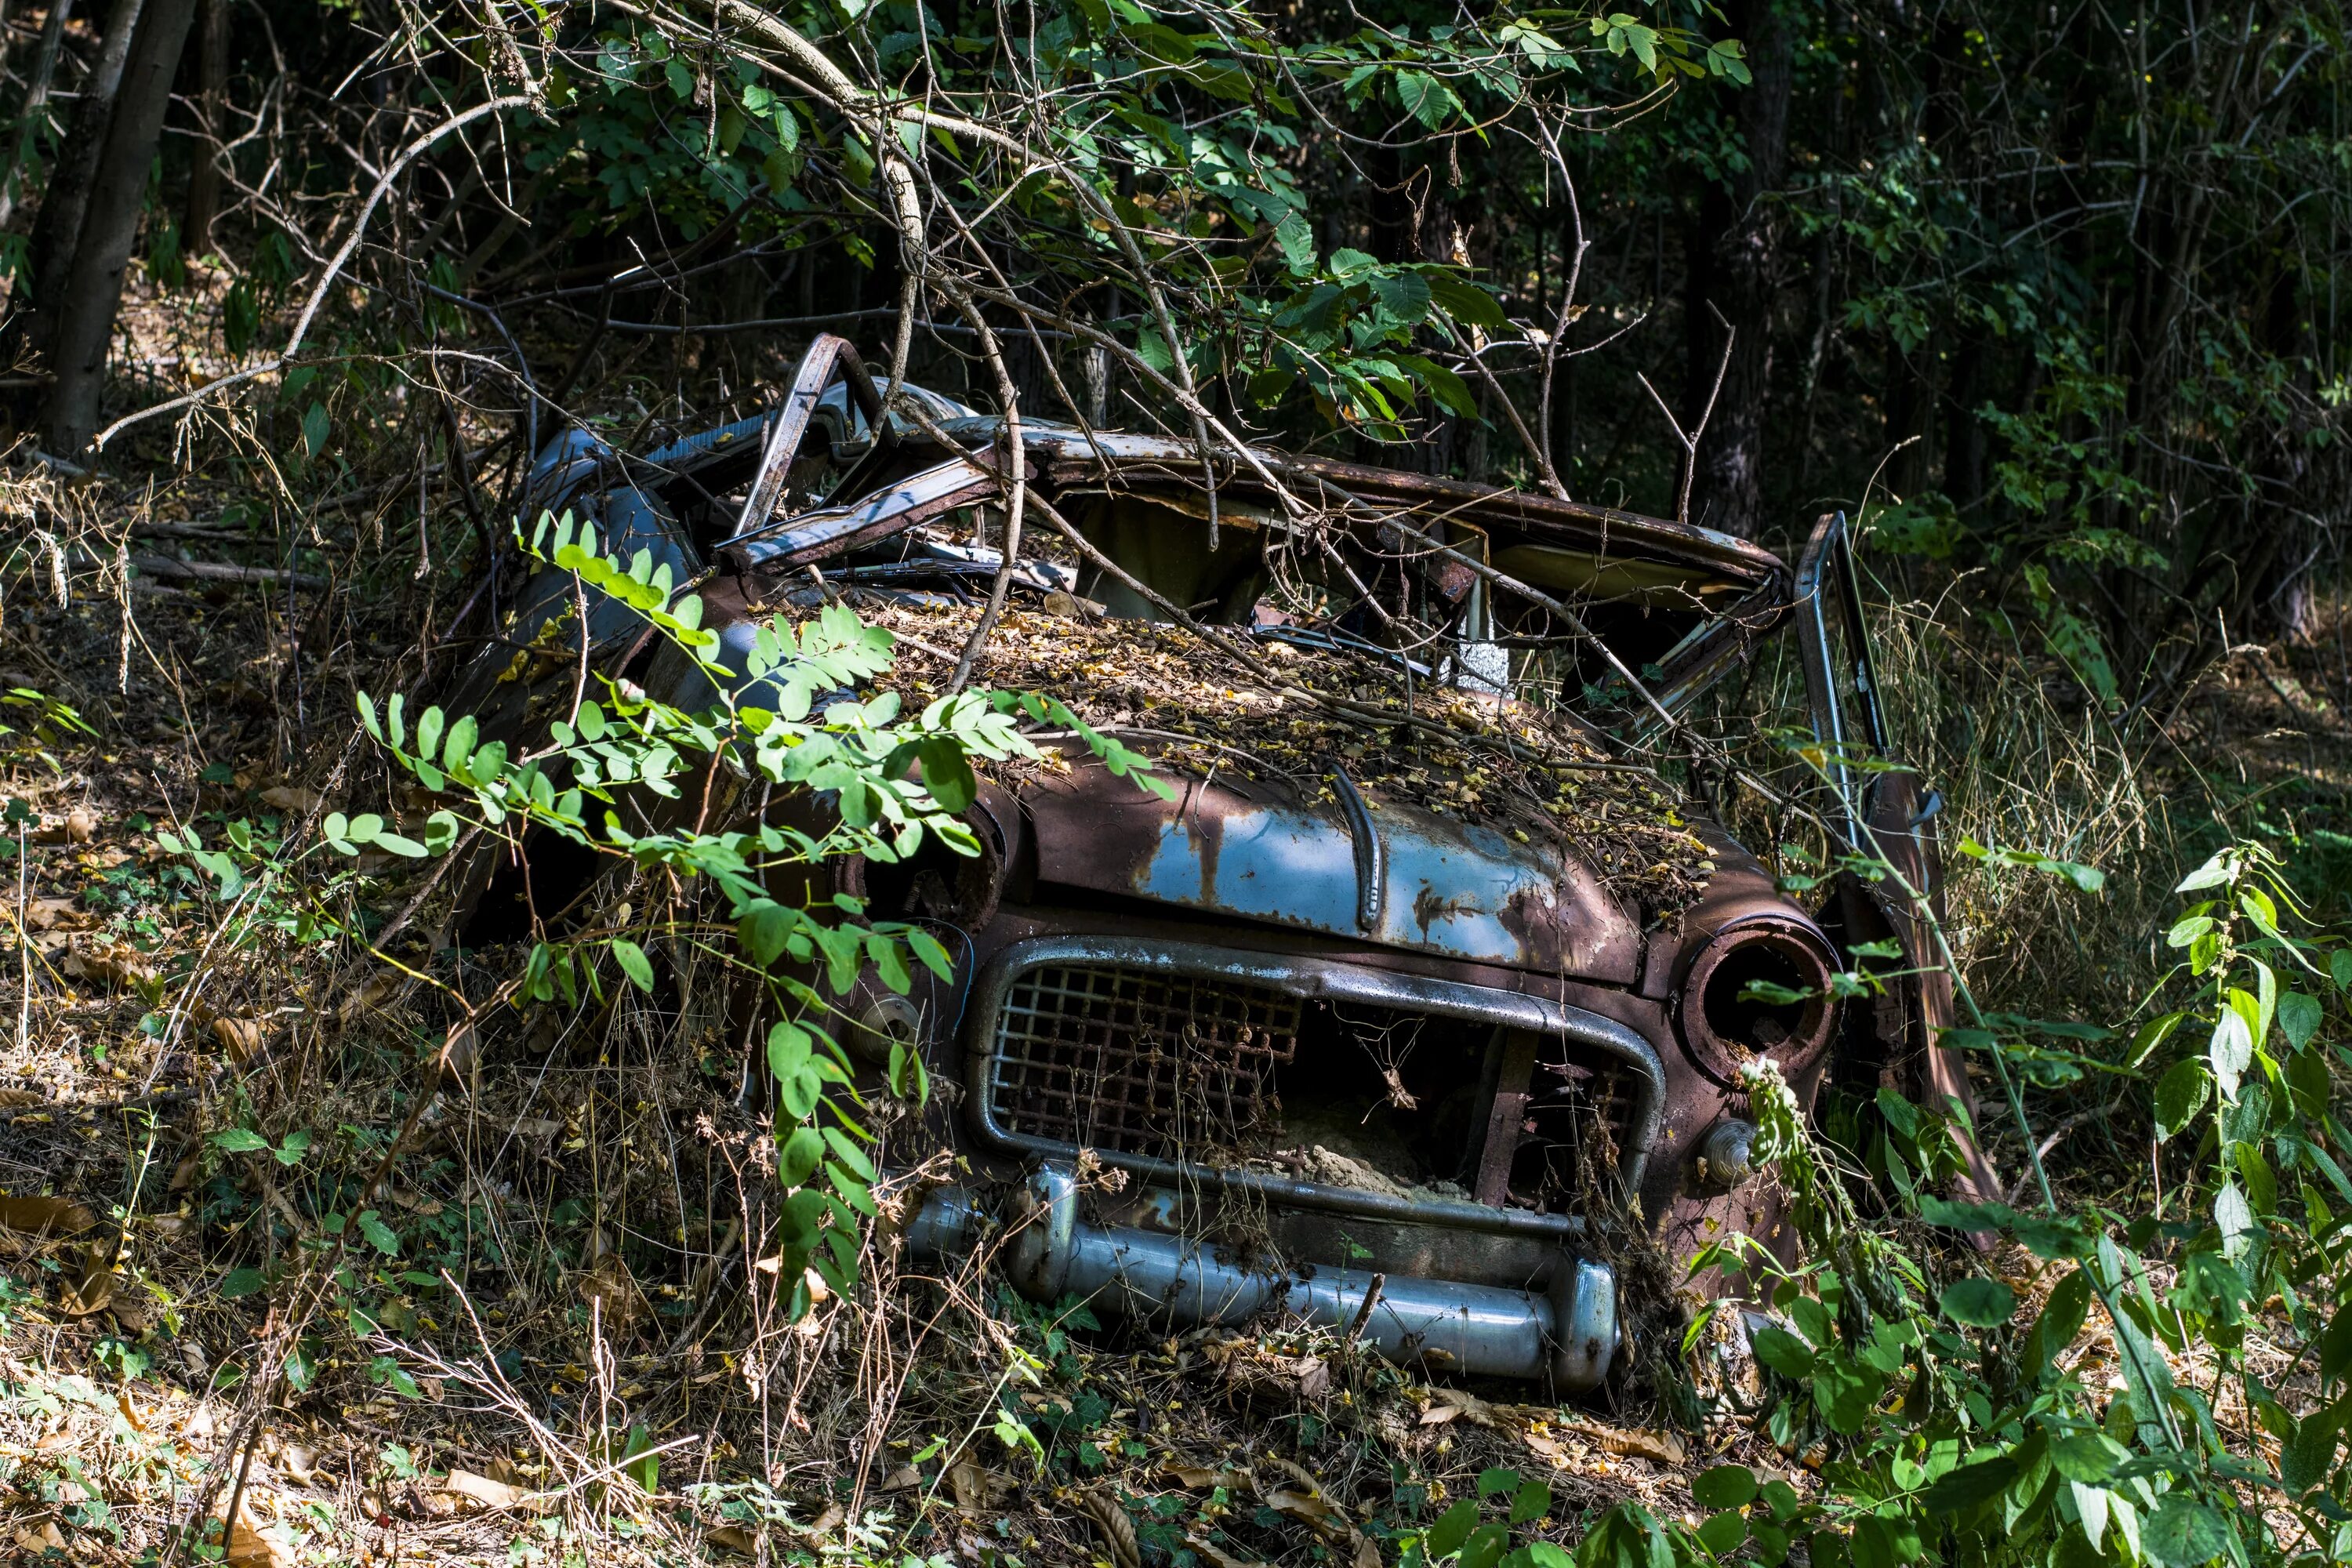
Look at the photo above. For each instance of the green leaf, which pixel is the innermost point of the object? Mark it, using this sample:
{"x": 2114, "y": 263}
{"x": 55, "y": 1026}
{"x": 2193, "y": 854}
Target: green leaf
{"x": 2088, "y": 1458}
{"x": 1845, "y": 1392}
{"x": 1452, "y": 1529}
{"x": 1783, "y": 1351}
{"x": 2335, "y": 1345}
{"x": 459, "y": 747}
{"x": 241, "y": 1282}
{"x": 2306, "y": 1458}
{"x": 1722, "y": 1533}
{"x": 2298, "y": 1017}
{"x": 634, "y": 963}
{"x": 2183, "y": 1534}
{"x": 1979, "y": 1302}
{"x": 2231, "y": 1050}
{"x": 379, "y": 1234}
{"x": 1297, "y": 243}
{"x": 240, "y": 1141}
{"x": 797, "y": 1159}
{"x": 1969, "y": 1485}
{"x": 315, "y": 429}
{"x": 2179, "y": 1095}
{"x": 1725, "y": 1486}
{"x": 849, "y": 1154}
{"x": 947, "y": 772}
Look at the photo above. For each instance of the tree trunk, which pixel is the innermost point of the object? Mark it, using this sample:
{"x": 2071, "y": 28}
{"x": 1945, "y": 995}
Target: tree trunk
{"x": 1731, "y": 267}
{"x": 36, "y": 99}
{"x": 212, "y": 107}
{"x": 32, "y": 333}
{"x": 93, "y": 291}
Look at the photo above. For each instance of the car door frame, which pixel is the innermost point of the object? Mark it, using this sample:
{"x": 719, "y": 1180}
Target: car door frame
{"x": 1888, "y": 815}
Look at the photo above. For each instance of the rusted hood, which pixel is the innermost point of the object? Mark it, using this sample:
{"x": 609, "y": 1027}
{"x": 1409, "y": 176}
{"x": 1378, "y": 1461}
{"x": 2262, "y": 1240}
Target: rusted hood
{"x": 1383, "y": 873}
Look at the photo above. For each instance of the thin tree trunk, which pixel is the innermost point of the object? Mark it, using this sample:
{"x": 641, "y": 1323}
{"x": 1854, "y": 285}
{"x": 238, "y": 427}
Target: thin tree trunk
{"x": 203, "y": 176}
{"x": 56, "y": 231}
{"x": 1732, "y": 268}
{"x": 36, "y": 99}
{"x": 93, "y": 294}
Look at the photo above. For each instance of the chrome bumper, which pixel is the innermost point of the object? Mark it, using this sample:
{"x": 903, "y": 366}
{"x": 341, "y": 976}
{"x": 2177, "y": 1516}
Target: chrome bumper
{"x": 1569, "y": 1330}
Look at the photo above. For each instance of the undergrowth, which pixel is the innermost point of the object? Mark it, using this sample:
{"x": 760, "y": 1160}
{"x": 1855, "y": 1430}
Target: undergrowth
{"x": 489, "y": 1261}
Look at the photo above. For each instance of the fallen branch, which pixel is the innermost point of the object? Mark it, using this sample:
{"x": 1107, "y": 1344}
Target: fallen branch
{"x": 221, "y": 571}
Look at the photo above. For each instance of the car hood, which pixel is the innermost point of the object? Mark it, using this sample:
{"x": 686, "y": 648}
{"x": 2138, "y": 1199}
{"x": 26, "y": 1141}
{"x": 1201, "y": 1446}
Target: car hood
{"x": 1376, "y": 872}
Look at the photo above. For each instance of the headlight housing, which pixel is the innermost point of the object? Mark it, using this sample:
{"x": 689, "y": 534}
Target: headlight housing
{"x": 1758, "y": 988}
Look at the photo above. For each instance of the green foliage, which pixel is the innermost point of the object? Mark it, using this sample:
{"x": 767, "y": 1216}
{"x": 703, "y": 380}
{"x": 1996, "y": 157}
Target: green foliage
{"x": 1955, "y": 1426}
{"x": 894, "y": 781}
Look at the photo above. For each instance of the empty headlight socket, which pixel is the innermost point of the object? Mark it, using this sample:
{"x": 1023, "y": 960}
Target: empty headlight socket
{"x": 1725, "y": 1025}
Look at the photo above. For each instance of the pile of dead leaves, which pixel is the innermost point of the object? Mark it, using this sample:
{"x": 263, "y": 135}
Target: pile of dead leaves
{"x": 1297, "y": 714}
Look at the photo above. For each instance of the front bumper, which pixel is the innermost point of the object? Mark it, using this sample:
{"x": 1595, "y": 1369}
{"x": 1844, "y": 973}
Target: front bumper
{"x": 1569, "y": 1330}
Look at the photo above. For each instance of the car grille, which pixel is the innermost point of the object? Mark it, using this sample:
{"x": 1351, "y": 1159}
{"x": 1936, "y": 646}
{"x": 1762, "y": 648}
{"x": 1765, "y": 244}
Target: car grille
{"x": 1139, "y": 1061}
{"x": 1159, "y": 1063}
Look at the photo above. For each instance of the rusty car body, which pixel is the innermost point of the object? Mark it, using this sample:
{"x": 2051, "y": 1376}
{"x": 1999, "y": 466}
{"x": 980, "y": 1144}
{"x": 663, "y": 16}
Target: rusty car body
{"x": 1360, "y": 1059}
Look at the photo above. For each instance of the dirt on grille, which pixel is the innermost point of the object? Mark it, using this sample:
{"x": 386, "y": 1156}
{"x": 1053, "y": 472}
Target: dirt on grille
{"x": 1286, "y": 716}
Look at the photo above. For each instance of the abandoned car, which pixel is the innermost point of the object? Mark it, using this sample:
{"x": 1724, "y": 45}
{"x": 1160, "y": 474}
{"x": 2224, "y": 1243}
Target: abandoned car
{"x": 1422, "y": 986}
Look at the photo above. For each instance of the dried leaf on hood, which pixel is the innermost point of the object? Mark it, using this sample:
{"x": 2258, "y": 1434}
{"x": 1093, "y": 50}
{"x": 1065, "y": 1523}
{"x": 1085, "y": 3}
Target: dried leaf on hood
{"x": 905, "y": 1478}
{"x": 45, "y": 1216}
{"x": 736, "y": 1539}
{"x": 291, "y": 797}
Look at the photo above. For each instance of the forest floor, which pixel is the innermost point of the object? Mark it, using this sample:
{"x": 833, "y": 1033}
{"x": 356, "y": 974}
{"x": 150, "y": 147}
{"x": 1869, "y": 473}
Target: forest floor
{"x": 546, "y": 1340}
